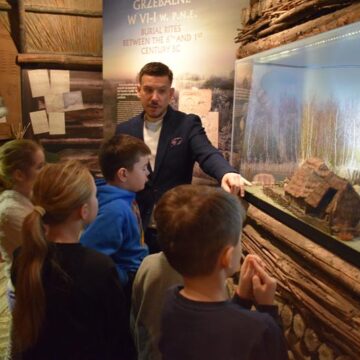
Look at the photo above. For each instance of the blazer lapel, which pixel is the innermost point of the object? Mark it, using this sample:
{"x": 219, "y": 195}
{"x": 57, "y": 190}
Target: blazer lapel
{"x": 165, "y": 136}
{"x": 138, "y": 131}
{"x": 138, "y": 127}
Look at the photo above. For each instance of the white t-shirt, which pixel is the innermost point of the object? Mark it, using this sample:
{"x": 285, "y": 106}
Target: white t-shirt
{"x": 152, "y": 131}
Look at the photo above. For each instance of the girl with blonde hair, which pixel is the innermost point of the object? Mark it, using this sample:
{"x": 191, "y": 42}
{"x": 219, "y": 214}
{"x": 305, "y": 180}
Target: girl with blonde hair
{"x": 20, "y": 162}
{"x": 69, "y": 301}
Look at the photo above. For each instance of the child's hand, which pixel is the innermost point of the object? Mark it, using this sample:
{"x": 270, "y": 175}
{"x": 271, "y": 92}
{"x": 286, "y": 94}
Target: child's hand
{"x": 264, "y": 286}
{"x": 245, "y": 288}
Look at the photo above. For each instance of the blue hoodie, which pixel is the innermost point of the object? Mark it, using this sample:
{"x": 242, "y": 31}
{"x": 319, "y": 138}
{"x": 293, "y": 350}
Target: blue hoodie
{"x": 115, "y": 231}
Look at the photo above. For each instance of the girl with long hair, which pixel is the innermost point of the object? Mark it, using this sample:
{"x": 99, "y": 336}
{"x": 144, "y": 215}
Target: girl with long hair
{"x": 69, "y": 301}
{"x": 20, "y": 162}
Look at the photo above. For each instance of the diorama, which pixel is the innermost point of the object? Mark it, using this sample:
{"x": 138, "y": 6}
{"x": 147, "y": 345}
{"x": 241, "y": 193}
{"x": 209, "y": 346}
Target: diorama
{"x": 296, "y": 123}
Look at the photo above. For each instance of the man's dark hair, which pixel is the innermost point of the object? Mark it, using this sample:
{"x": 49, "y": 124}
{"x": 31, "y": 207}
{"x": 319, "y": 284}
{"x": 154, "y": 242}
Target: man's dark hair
{"x": 120, "y": 151}
{"x": 194, "y": 225}
{"x": 156, "y": 69}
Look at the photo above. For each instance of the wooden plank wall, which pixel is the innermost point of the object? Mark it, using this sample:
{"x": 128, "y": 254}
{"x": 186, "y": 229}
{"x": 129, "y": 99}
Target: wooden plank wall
{"x": 10, "y": 89}
{"x": 271, "y": 23}
{"x": 66, "y": 35}
{"x": 318, "y": 293}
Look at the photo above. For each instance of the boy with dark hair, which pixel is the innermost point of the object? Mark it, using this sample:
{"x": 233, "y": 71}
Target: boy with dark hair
{"x": 199, "y": 229}
{"x": 117, "y": 229}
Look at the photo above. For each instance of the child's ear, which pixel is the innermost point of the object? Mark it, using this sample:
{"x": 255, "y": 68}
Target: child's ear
{"x": 84, "y": 211}
{"x": 226, "y": 257}
{"x": 122, "y": 174}
{"x": 18, "y": 175}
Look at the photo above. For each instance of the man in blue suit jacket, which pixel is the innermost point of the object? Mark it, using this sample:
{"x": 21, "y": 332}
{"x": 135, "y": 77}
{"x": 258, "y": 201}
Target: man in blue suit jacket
{"x": 176, "y": 141}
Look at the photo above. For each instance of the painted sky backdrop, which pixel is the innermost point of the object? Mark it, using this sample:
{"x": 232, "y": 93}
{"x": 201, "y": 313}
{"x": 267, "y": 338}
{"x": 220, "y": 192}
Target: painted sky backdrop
{"x": 322, "y": 66}
{"x": 191, "y": 36}
{"x": 309, "y": 91}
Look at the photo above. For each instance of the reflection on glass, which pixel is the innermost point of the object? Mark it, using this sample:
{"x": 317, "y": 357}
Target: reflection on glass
{"x": 301, "y": 103}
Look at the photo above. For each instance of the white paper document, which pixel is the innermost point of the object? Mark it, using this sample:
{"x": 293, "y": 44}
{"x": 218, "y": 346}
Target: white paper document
{"x": 54, "y": 102}
{"x": 56, "y": 123}
{"x": 39, "y": 82}
{"x": 73, "y": 101}
{"x": 60, "y": 81}
{"x": 39, "y": 122}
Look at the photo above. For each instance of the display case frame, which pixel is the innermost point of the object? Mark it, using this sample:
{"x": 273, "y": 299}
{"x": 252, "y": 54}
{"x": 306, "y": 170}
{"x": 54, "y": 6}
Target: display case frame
{"x": 295, "y": 102}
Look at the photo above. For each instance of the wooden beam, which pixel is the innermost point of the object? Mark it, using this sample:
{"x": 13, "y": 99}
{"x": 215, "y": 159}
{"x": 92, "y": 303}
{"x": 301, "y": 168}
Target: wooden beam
{"x": 340, "y": 18}
{"x": 288, "y": 13}
{"x": 5, "y": 131}
{"x": 313, "y": 254}
{"x": 63, "y": 11}
{"x": 5, "y": 7}
{"x": 302, "y": 10}
{"x": 53, "y": 10}
{"x": 317, "y": 284}
{"x": 60, "y": 59}
{"x": 332, "y": 311}
{"x": 22, "y": 29}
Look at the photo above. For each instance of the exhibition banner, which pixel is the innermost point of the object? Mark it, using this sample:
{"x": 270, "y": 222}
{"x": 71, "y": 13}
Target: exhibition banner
{"x": 195, "y": 38}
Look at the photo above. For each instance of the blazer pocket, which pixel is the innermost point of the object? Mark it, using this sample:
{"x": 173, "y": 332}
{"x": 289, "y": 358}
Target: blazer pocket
{"x": 176, "y": 141}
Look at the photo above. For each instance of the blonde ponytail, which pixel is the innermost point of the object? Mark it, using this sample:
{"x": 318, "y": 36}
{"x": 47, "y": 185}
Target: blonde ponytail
{"x": 30, "y": 297}
{"x": 58, "y": 190}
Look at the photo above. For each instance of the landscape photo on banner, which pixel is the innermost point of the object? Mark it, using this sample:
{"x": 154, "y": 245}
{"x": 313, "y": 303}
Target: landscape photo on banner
{"x": 193, "y": 38}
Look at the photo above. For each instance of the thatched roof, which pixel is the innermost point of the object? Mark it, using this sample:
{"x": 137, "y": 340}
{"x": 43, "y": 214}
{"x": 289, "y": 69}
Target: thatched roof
{"x": 319, "y": 191}
{"x": 312, "y": 181}
{"x": 60, "y": 26}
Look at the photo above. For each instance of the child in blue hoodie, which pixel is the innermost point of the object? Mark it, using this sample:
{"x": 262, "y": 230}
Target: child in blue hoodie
{"x": 117, "y": 229}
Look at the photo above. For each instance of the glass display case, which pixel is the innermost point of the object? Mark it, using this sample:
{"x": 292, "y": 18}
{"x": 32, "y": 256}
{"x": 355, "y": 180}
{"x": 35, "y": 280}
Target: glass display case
{"x": 296, "y": 119}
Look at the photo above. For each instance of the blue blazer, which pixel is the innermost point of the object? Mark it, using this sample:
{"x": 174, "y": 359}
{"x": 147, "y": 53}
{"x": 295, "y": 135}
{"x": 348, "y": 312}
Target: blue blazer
{"x": 182, "y": 142}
